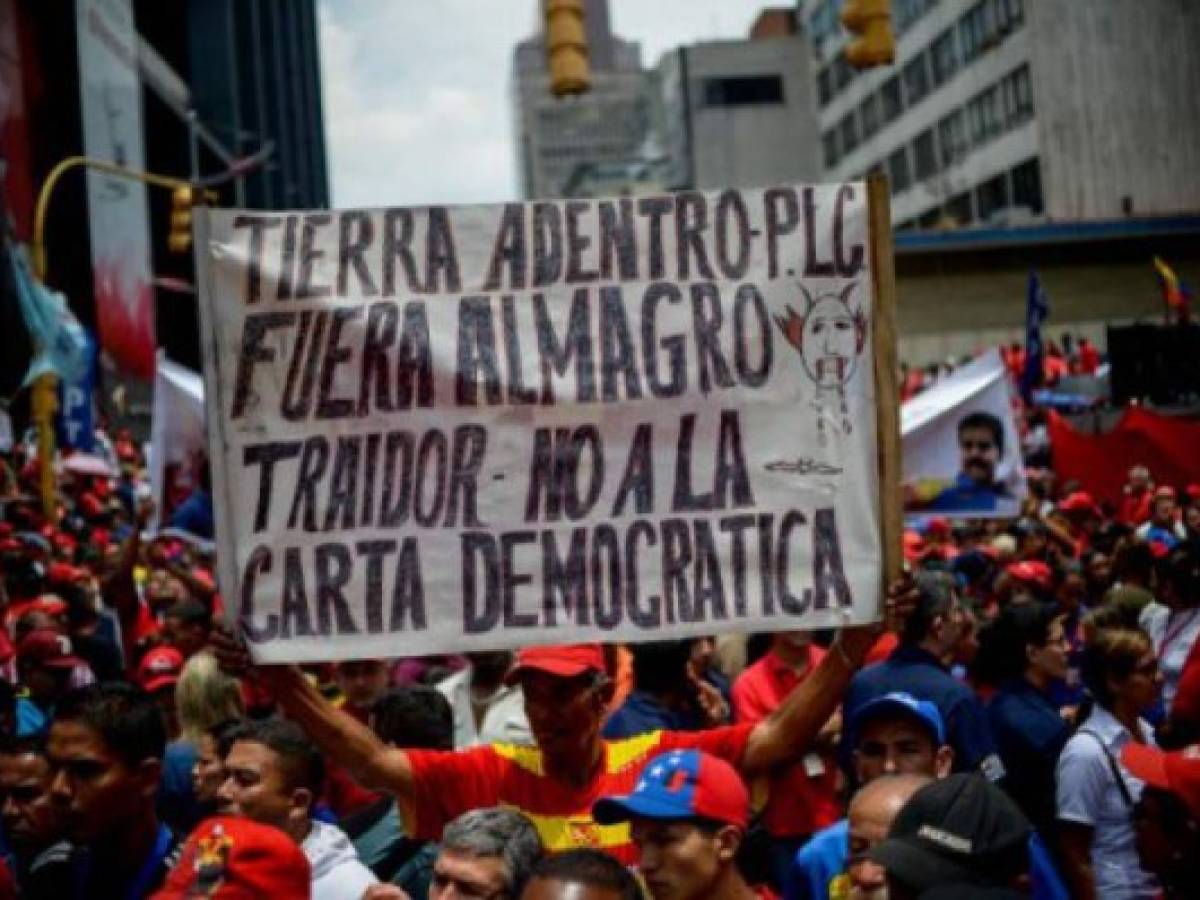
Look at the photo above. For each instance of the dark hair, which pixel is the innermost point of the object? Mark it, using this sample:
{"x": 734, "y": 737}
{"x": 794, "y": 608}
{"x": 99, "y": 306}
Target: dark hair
{"x": 660, "y": 666}
{"x": 1180, "y": 568}
{"x": 127, "y": 719}
{"x": 417, "y": 716}
{"x": 591, "y": 868}
{"x": 984, "y": 420}
{"x": 1133, "y": 558}
{"x": 8, "y": 701}
{"x": 190, "y": 612}
{"x": 301, "y": 762}
{"x": 1002, "y": 643}
{"x": 936, "y": 598}
{"x": 221, "y": 732}
{"x": 11, "y": 745}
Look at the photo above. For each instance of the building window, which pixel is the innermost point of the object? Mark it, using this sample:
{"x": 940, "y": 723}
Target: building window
{"x": 916, "y": 80}
{"x": 898, "y": 171}
{"x": 958, "y": 209}
{"x": 943, "y": 57}
{"x": 1018, "y": 97}
{"x": 843, "y": 72}
{"x": 849, "y": 131}
{"x": 984, "y": 114}
{"x": 868, "y": 112}
{"x": 825, "y": 85}
{"x": 1027, "y": 186}
{"x": 829, "y": 143}
{"x": 891, "y": 99}
{"x": 991, "y": 196}
{"x": 952, "y": 138}
{"x": 745, "y": 90}
{"x": 823, "y": 23}
{"x": 925, "y": 160}
{"x": 906, "y": 12}
{"x": 986, "y": 24}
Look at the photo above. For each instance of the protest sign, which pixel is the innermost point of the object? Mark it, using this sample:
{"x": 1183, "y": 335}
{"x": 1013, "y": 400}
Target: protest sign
{"x": 177, "y": 439}
{"x": 962, "y": 452}
{"x": 456, "y": 428}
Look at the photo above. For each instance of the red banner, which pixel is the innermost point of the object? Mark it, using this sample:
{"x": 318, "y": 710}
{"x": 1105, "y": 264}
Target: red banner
{"x": 1167, "y": 445}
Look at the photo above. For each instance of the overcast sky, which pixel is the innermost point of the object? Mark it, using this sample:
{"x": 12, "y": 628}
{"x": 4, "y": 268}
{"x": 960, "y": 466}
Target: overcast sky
{"x": 416, "y": 91}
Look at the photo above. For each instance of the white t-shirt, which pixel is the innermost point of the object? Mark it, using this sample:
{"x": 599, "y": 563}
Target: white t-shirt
{"x": 1088, "y": 794}
{"x": 1173, "y": 635}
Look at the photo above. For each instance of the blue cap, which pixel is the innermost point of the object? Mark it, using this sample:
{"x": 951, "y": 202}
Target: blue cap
{"x": 681, "y": 784}
{"x": 924, "y": 711}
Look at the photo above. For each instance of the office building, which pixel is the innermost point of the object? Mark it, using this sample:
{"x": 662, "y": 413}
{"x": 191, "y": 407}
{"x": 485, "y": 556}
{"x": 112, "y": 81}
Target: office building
{"x": 606, "y": 125}
{"x": 739, "y": 113}
{"x": 1018, "y": 111}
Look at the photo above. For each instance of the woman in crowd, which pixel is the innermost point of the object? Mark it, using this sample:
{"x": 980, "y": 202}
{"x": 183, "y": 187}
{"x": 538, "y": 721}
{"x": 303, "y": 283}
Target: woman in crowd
{"x": 1030, "y": 652}
{"x": 1095, "y": 794}
{"x": 205, "y": 697}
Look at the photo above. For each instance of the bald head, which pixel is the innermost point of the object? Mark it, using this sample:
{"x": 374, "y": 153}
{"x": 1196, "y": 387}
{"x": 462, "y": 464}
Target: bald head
{"x": 871, "y": 813}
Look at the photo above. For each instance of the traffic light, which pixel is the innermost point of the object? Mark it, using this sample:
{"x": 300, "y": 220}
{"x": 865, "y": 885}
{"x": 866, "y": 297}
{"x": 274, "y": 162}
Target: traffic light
{"x": 182, "y": 201}
{"x": 871, "y": 20}
{"x": 566, "y": 47}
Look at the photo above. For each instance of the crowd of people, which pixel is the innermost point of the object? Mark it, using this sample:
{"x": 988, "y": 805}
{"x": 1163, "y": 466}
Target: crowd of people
{"x": 1027, "y": 725}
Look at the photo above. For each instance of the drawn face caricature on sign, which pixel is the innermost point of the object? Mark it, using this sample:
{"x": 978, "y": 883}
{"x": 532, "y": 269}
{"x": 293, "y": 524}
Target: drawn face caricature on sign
{"x": 829, "y": 337}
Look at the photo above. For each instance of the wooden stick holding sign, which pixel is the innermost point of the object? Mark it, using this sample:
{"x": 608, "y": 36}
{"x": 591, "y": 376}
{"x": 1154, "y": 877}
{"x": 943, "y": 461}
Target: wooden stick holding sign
{"x": 887, "y": 396}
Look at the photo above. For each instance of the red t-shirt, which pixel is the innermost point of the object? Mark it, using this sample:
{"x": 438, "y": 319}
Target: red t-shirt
{"x": 448, "y": 783}
{"x": 801, "y": 798}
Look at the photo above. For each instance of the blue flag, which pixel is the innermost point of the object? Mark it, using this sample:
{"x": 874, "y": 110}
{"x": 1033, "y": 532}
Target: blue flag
{"x": 1037, "y": 310}
{"x": 60, "y": 344}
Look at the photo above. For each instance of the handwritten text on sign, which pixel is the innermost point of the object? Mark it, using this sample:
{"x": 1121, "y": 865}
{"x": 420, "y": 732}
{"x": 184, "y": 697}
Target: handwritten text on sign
{"x": 474, "y": 427}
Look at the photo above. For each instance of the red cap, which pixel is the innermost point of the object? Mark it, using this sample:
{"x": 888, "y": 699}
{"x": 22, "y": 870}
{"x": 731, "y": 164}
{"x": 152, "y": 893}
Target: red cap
{"x": 1031, "y": 571}
{"x": 1193, "y": 491}
{"x": 566, "y": 660}
{"x": 65, "y": 573}
{"x": 238, "y": 859}
{"x": 1164, "y": 491}
{"x": 915, "y": 547}
{"x": 46, "y": 647}
{"x": 1080, "y": 501}
{"x": 90, "y": 506}
{"x": 938, "y": 527}
{"x": 50, "y": 604}
{"x": 1177, "y": 772}
{"x": 159, "y": 668}
{"x": 6, "y": 529}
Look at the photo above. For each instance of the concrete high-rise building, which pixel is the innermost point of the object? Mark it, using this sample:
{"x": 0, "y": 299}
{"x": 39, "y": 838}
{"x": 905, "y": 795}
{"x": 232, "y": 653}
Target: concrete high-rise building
{"x": 739, "y": 113}
{"x": 556, "y": 135}
{"x": 1018, "y": 111}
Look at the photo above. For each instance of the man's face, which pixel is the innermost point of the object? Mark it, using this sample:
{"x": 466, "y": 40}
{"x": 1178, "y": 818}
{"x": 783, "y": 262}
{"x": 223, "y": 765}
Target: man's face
{"x": 92, "y": 786}
{"x": 679, "y": 860}
{"x": 31, "y": 821}
{"x": 1164, "y": 511}
{"x": 459, "y": 874}
{"x": 868, "y": 827}
{"x": 553, "y": 889}
{"x": 565, "y": 714}
{"x": 1139, "y": 479}
{"x": 208, "y": 773}
{"x": 254, "y": 786}
{"x": 163, "y": 590}
{"x": 362, "y": 681}
{"x": 980, "y": 454}
{"x": 898, "y": 745}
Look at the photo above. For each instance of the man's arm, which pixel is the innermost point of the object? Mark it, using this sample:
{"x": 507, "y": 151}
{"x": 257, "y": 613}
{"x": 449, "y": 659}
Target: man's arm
{"x": 794, "y": 728}
{"x": 339, "y": 735}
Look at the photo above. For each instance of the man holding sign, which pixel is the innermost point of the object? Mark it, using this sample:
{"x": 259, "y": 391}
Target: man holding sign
{"x": 562, "y": 422}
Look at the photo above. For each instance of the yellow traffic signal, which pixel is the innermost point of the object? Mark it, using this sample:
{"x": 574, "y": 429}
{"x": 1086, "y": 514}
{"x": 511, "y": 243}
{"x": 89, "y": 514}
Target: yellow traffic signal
{"x": 182, "y": 201}
{"x": 566, "y": 47}
{"x": 871, "y": 20}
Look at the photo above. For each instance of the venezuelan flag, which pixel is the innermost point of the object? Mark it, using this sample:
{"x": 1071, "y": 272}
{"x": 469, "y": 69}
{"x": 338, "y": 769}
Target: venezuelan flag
{"x": 1173, "y": 290}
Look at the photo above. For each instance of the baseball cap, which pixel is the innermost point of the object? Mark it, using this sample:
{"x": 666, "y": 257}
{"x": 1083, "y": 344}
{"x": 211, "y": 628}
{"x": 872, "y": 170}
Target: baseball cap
{"x": 1165, "y": 491}
{"x": 565, "y": 660}
{"x": 1031, "y": 571}
{"x": 1080, "y": 501}
{"x": 238, "y": 859}
{"x": 899, "y": 703}
{"x": 961, "y": 829}
{"x": 1177, "y": 772}
{"x": 46, "y": 647}
{"x": 682, "y": 784}
{"x": 159, "y": 668}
